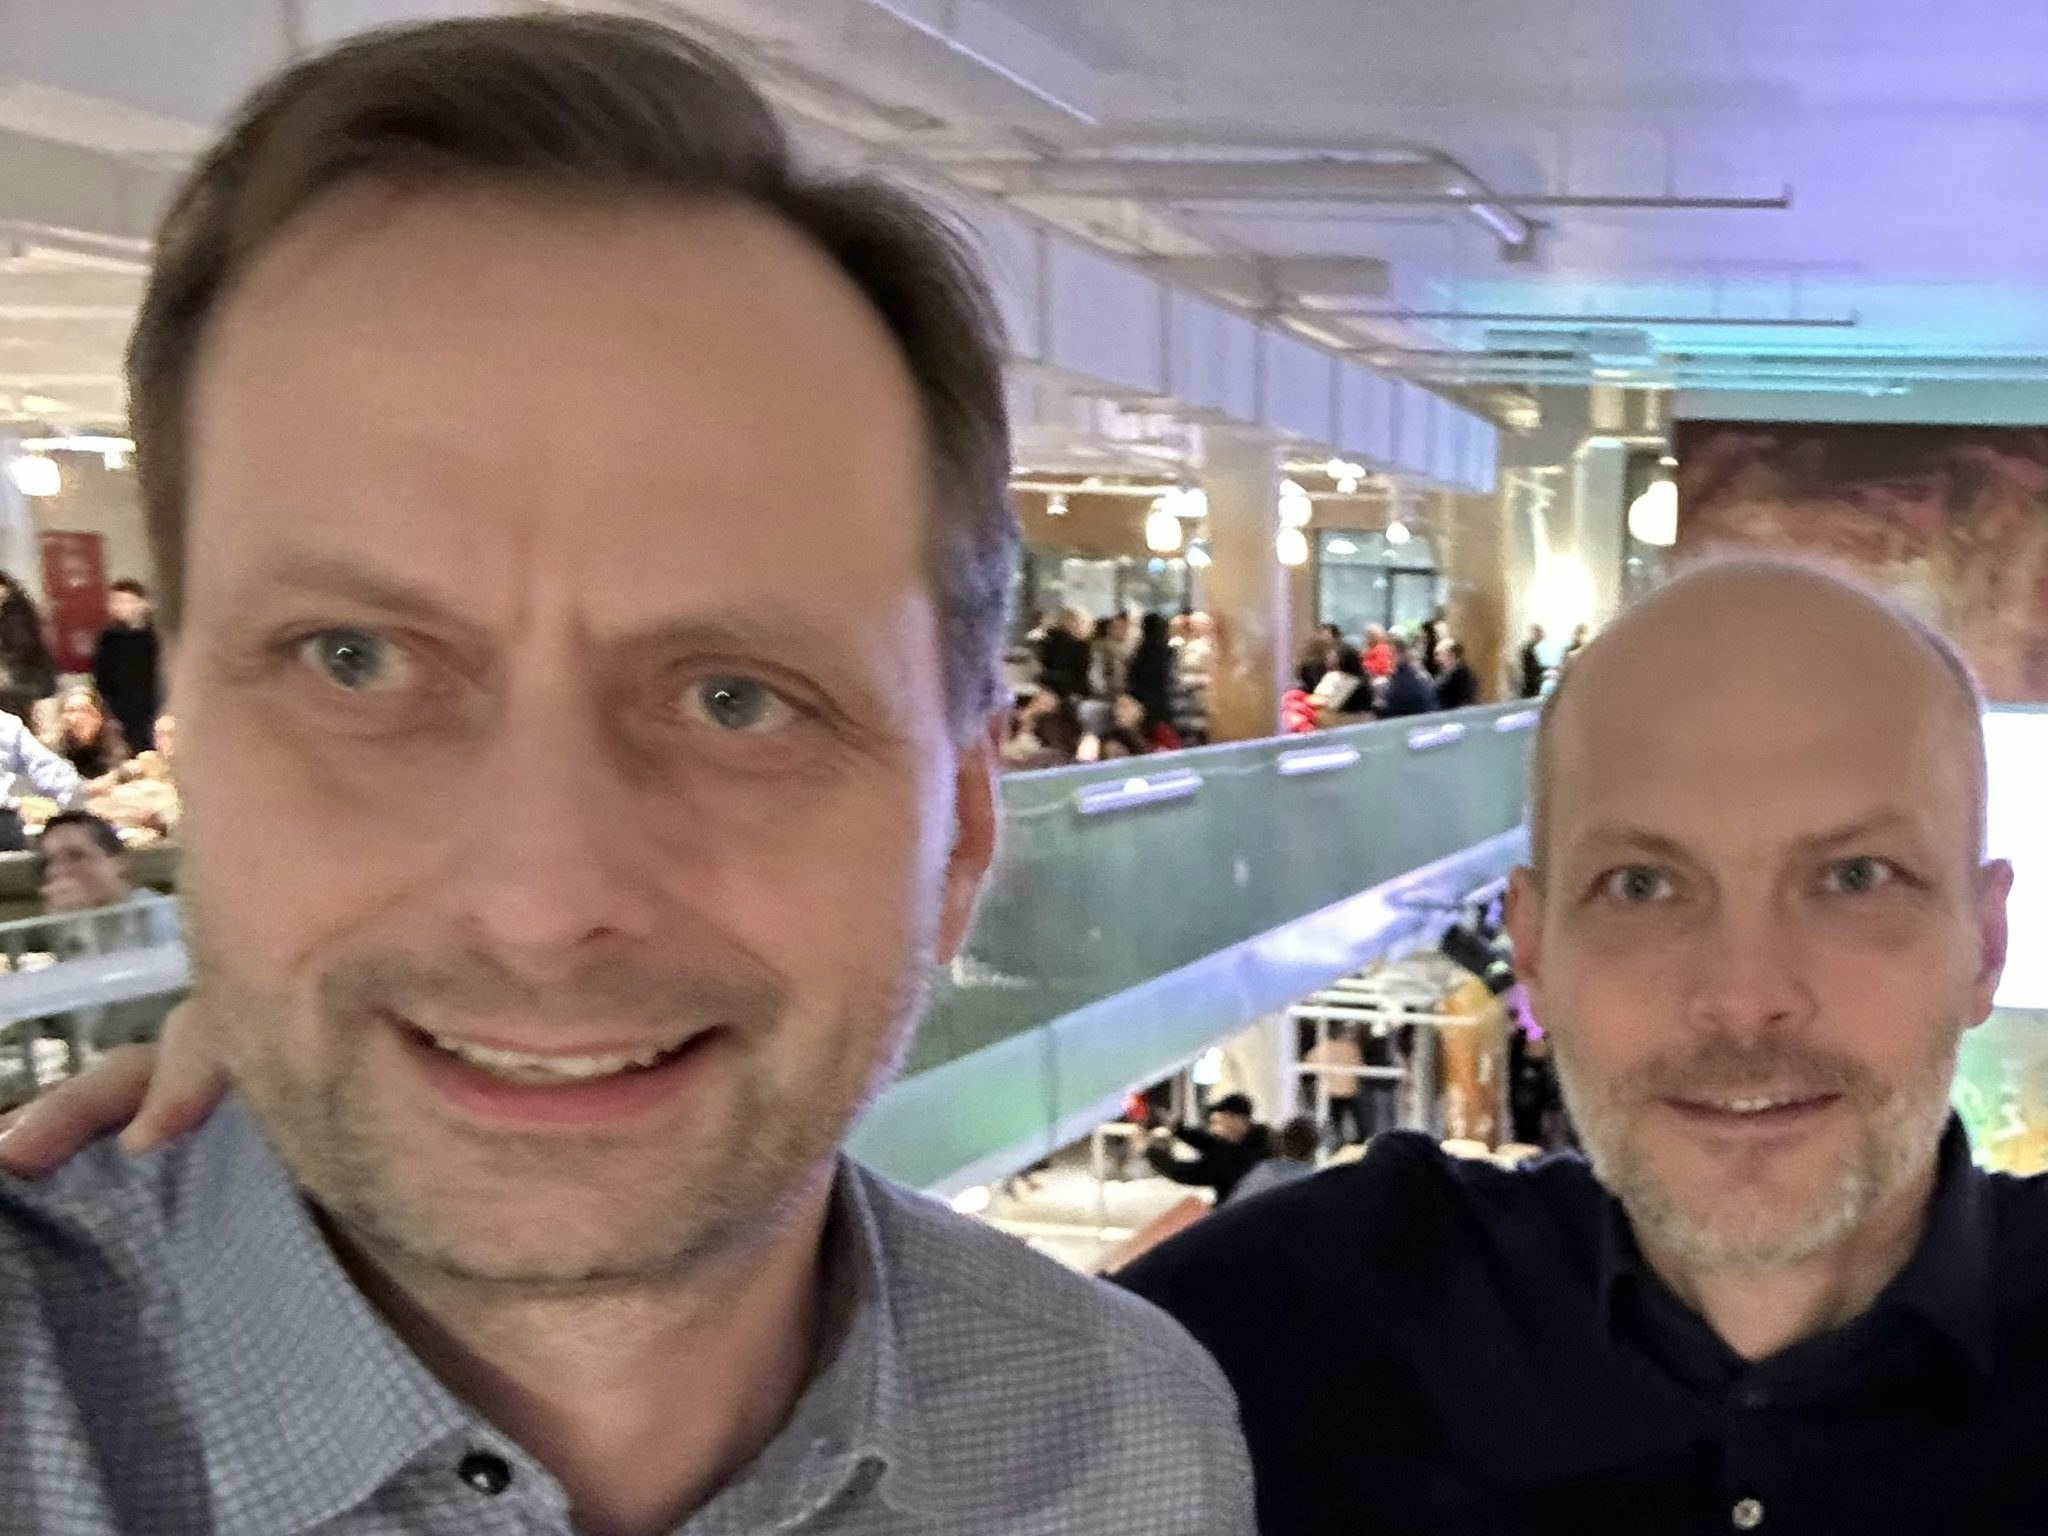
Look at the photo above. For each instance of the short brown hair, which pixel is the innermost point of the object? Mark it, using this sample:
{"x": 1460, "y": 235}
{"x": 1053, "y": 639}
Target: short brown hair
{"x": 600, "y": 109}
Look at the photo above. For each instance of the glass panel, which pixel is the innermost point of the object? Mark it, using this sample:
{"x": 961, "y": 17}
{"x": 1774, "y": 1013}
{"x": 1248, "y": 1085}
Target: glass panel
{"x": 1081, "y": 907}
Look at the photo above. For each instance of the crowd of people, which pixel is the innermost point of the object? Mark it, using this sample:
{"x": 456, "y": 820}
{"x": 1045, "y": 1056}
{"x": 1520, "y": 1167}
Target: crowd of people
{"x": 97, "y": 741}
{"x": 1390, "y": 675}
{"x": 1109, "y": 688}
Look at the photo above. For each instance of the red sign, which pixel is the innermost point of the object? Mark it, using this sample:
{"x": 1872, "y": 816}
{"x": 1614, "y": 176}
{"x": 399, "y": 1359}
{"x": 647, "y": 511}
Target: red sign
{"x": 75, "y": 580}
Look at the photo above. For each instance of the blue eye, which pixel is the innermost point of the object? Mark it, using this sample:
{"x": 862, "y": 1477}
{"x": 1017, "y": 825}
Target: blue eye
{"x": 1636, "y": 885}
{"x": 352, "y": 659}
{"x": 738, "y": 704}
{"x": 1859, "y": 876}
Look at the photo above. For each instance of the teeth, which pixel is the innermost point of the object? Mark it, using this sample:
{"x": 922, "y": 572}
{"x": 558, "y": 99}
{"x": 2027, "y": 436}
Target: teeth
{"x": 519, "y": 1067}
{"x": 1752, "y": 1106}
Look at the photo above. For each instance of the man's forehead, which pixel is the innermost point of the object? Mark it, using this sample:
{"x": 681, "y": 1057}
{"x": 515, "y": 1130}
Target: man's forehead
{"x": 1775, "y": 692}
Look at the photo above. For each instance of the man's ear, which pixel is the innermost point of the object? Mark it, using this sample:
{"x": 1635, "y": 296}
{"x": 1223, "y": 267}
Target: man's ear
{"x": 1994, "y": 888}
{"x": 1524, "y": 918}
{"x": 977, "y": 815}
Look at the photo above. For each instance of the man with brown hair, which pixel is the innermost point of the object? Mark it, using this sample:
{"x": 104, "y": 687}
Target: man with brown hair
{"x": 555, "y": 900}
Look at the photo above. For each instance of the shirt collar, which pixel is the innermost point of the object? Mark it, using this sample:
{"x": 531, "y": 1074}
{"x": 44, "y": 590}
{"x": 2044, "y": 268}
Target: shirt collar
{"x": 261, "y": 1285}
{"x": 1946, "y": 1284}
{"x": 321, "y": 1369}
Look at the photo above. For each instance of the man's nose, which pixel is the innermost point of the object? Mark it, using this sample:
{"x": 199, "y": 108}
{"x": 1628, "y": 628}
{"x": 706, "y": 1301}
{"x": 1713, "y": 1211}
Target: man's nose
{"x": 1748, "y": 974}
{"x": 554, "y": 866}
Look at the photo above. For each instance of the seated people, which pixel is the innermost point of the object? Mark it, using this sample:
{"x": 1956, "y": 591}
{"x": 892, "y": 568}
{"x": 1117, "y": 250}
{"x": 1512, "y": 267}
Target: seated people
{"x": 82, "y": 871}
{"x": 1456, "y": 687}
{"x": 1409, "y": 690}
{"x": 89, "y": 737}
{"x": 28, "y": 768}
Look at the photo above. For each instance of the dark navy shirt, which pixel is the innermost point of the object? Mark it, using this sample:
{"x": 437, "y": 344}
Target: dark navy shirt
{"x": 1428, "y": 1347}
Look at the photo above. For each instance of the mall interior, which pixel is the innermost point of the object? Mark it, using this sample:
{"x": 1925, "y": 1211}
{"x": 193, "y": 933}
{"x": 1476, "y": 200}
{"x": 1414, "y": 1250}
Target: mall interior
{"x": 1443, "y": 326}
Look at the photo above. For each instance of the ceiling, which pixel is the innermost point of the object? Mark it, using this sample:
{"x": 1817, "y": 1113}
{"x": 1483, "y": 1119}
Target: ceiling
{"x": 1728, "y": 192}
{"x": 1754, "y": 194}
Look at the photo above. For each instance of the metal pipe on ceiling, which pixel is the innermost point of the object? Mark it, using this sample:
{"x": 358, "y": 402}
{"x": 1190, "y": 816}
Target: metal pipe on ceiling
{"x": 1403, "y": 173}
{"x": 1572, "y": 318}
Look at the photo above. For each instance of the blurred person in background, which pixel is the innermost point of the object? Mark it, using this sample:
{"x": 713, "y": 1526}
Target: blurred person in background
{"x": 1529, "y": 662}
{"x": 1429, "y": 641}
{"x": 1233, "y": 1144}
{"x": 1409, "y": 690}
{"x": 1339, "y": 654}
{"x": 1064, "y": 657}
{"x": 1152, "y": 678}
{"x": 127, "y": 664}
{"x": 1456, "y": 687}
{"x": 1580, "y": 636}
{"x": 1340, "y": 1050}
{"x": 1046, "y": 733}
{"x": 1294, "y": 1157}
{"x": 1378, "y": 654}
{"x": 1110, "y": 656}
{"x": 82, "y": 867}
{"x": 28, "y": 767}
{"x": 27, "y": 672}
{"x": 89, "y": 737}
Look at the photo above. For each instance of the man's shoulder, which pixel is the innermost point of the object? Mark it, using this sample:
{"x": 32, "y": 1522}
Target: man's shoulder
{"x": 959, "y": 1285}
{"x": 1101, "y": 1403}
{"x": 1391, "y": 1226}
{"x": 2019, "y": 1206}
{"x": 100, "y": 1200}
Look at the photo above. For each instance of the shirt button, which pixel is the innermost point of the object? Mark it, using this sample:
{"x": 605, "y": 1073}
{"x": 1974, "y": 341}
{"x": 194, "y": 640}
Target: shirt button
{"x": 1753, "y": 1397}
{"x": 486, "y": 1473}
{"x": 1748, "y": 1515}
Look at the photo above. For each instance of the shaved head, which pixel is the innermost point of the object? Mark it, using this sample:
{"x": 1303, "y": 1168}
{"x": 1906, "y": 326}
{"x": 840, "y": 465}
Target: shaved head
{"x": 1759, "y": 919}
{"x": 1793, "y": 616}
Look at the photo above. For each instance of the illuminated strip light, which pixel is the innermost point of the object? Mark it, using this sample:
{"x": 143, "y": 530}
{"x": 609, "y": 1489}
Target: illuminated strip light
{"x": 1520, "y": 720}
{"x": 1306, "y": 760}
{"x": 1432, "y": 737}
{"x": 1102, "y": 799}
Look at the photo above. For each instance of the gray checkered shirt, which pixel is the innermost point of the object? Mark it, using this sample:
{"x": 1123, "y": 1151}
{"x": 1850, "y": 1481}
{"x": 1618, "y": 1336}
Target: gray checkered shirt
{"x": 180, "y": 1353}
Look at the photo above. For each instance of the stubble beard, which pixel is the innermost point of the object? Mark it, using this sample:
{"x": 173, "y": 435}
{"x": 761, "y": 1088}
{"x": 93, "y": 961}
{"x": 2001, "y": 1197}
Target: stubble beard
{"x": 511, "y": 1218}
{"x": 1899, "y": 1126}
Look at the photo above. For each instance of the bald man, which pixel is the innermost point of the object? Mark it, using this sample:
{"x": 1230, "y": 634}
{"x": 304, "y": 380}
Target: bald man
{"x": 1778, "y": 1296}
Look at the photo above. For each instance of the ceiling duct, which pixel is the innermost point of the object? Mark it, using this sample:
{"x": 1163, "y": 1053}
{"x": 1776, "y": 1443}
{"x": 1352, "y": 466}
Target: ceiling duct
{"x": 1383, "y": 173}
{"x": 1271, "y": 283}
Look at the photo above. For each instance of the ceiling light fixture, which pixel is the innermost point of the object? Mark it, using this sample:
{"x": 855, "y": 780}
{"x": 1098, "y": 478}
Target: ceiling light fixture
{"x": 1198, "y": 557}
{"x": 1397, "y": 533}
{"x": 1291, "y": 545}
{"x": 1162, "y": 528}
{"x": 1341, "y": 546}
{"x": 1056, "y": 504}
{"x": 1653, "y": 516}
{"x": 1295, "y": 507}
{"x": 35, "y": 474}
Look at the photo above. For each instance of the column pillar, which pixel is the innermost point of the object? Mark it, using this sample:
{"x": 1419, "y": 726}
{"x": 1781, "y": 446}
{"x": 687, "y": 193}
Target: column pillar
{"x": 1246, "y": 584}
{"x": 1474, "y": 558}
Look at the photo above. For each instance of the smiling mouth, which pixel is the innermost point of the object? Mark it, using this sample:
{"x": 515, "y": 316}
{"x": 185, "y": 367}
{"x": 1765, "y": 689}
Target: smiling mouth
{"x": 536, "y": 1070}
{"x": 1757, "y": 1107}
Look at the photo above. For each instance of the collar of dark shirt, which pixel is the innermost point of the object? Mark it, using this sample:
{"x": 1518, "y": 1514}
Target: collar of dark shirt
{"x": 1947, "y": 1284}
{"x": 279, "y": 1351}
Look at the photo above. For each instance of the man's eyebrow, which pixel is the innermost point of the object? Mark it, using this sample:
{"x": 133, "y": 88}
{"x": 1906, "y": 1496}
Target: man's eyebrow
{"x": 323, "y": 575}
{"x": 1619, "y": 835}
{"x": 336, "y": 576}
{"x": 1878, "y": 823}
